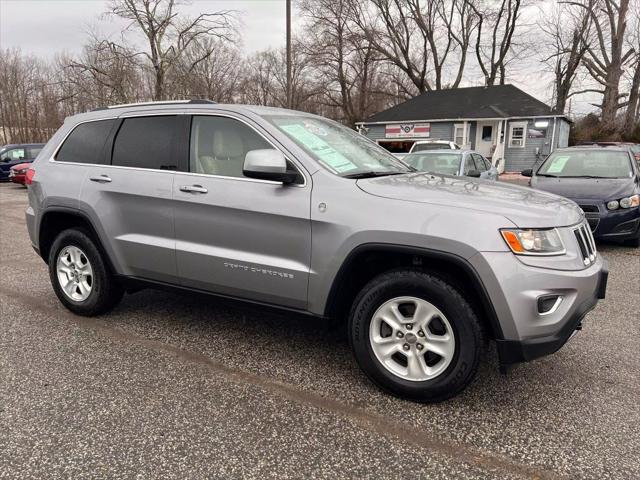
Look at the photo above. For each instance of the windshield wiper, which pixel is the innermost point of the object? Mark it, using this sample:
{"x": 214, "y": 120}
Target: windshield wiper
{"x": 372, "y": 174}
{"x": 547, "y": 175}
{"x": 586, "y": 176}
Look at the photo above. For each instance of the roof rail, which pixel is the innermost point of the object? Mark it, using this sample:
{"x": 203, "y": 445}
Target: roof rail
{"x": 162, "y": 102}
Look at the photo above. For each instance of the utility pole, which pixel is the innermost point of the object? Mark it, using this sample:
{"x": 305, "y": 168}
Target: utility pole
{"x": 289, "y": 99}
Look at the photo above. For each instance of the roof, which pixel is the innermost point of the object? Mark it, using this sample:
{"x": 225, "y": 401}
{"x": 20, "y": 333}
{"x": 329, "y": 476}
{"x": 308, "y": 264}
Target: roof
{"x": 498, "y": 101}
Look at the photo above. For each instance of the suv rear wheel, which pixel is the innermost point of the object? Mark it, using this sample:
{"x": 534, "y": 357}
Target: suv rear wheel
{"x": 415, "y": 336}
{"x": 79, "y": 275}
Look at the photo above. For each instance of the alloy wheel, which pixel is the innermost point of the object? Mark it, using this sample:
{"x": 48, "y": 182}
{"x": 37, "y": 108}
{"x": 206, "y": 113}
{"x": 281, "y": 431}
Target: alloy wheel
{"x": 412, "y": 338}
{"x": 75, "y": 273}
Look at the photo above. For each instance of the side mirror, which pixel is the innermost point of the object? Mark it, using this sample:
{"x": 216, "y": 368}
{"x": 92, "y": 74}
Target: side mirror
{"x": 473, "y": 173}
{"x": 527, "y": 173}
{"x": 268, "y": 164}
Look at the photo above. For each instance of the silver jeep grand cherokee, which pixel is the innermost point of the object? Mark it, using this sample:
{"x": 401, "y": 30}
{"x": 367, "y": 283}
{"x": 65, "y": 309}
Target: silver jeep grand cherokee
{"x": 295, "y": 211}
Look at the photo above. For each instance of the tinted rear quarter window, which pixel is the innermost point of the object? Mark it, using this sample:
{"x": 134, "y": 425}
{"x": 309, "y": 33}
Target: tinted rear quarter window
{"x": 86, "y": 142}
{"x": 145, "y": 142}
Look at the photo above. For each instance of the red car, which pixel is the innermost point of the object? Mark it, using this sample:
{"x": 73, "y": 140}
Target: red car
{"x": 18, "y": 173}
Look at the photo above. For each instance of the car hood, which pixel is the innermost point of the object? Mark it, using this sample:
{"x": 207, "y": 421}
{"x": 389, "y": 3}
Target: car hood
{"x": 523, "y": 206}
{"x": 601, "y": 189}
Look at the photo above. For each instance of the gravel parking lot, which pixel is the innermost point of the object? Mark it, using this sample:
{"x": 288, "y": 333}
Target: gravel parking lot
{"x": 184, "y": 386}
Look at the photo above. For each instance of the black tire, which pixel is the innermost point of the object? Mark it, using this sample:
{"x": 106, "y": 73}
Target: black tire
{"x": 469, "y": 337}
{"x": 106, "y": 292}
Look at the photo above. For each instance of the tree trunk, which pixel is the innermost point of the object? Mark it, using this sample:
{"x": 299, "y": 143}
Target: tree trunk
{"x": 610, "y": 98}
{"x": 630, "y": 120}
{"x": 614, "y": 71}
{"x": 158, "y": 92}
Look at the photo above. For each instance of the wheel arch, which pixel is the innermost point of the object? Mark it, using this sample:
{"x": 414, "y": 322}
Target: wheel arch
{"x": 368, "y": 260}
{"x": 56, "y": 219}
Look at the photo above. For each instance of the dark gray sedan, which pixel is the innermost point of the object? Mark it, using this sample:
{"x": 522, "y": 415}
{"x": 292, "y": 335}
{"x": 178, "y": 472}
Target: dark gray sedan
{"x": 453, "y": 162}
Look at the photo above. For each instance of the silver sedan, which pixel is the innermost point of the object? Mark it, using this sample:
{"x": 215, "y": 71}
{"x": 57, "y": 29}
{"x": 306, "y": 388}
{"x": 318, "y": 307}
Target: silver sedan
{"x": 453, "y": 162}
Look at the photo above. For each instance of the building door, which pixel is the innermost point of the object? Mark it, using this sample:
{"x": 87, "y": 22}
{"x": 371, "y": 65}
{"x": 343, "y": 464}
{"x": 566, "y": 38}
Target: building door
{"x": 485, "y": 138}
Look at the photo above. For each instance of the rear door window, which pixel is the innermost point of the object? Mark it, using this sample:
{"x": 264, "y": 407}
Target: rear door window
{"x": 86, "y": 143}
{"x": 145, "y": 142}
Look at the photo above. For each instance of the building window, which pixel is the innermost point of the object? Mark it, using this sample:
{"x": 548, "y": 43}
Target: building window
{"x": 461, "y": 137}
{"x": 517, "y": 134}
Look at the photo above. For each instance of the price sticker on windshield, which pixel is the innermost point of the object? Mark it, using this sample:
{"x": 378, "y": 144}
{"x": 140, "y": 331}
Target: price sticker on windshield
{"x": 319, "y": 147}
{"x": 557, "y": 165}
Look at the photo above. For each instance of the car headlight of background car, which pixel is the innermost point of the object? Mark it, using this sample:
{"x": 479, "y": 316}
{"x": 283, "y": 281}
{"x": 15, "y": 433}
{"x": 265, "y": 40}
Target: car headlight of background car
{"x": 533, "y": 241}
{"x": 626, "y": 202}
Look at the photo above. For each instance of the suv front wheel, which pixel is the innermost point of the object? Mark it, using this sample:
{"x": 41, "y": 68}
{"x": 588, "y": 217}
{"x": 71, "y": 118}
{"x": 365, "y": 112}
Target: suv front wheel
{"x": 79, "y": 275}
{"x": 415, "y": 336}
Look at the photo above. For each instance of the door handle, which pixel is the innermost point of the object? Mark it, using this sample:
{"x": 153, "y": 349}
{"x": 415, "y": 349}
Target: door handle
{"x": 193, "y": 189}
{"x": 101, "y": 179}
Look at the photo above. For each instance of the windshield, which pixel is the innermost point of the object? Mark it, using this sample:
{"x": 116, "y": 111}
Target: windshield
{"x": 421, "y": 147}
{"x": 338, "y": 148}
{"x": 435, "y": 162}
{"x": 587, "y": 163}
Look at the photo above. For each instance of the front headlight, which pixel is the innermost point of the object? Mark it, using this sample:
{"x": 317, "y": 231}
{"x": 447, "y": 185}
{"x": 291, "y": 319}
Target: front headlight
{"x": 626, "y": 202}
{"x": 533, "y": 241}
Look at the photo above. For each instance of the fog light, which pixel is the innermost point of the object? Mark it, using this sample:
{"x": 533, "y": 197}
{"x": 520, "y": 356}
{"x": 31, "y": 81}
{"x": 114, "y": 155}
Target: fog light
{"x": 548, "y": 304}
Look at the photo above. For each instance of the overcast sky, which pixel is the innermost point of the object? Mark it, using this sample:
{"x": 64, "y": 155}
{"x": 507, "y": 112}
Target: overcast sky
{"x": 47, "y": 27}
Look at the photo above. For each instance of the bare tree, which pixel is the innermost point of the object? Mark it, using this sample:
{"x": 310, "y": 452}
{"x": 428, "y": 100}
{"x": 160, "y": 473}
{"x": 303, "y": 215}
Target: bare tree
{"x": 566, "y": 31}
{"x": 210, "y": 68}
{"x": 497, "y": 25}
{"x": 423, "y": 39}
{"x": 169, "y": 35}
{"x": 27, "y": 100}
{"x": 605, "y": 59}
{"x": 105, "y": 73}
{"x": 346, "y": 65}
{"x": 632, "y": 115}
{"x": 265, "y": 79}
{"x": 447, "y": 26}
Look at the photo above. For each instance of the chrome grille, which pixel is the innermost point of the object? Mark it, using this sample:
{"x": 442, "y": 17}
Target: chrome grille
{"x": 593, "y": 222}
{"x": 586, "y": 243}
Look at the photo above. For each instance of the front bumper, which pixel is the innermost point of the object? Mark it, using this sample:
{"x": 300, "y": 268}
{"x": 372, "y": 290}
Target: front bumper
{"x": 620, "y": 224}
{"x": 514, "y": 289}
{"x": 515, "y": 351}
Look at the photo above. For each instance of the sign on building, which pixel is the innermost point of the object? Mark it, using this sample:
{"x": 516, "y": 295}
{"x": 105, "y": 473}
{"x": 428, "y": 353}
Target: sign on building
{"x": 407, "y": 130}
